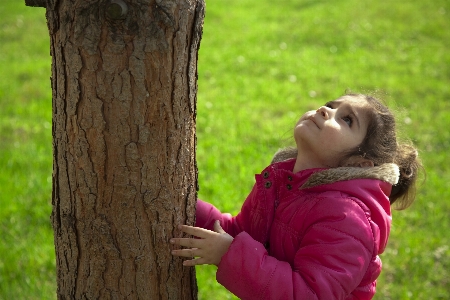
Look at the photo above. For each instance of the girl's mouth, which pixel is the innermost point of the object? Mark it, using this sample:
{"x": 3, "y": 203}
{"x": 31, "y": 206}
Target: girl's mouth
{"x": 311, "y": 118}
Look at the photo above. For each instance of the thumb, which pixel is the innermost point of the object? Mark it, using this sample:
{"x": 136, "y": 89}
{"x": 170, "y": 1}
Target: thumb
{"x": 217, "y": 227}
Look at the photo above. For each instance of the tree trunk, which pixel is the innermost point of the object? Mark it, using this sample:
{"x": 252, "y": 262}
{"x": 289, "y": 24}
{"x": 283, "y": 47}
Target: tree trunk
{"x": 124, "y": 80}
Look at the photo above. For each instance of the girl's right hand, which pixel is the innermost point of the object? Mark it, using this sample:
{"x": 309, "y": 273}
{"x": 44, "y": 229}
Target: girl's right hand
{"x": 208, "y": 248}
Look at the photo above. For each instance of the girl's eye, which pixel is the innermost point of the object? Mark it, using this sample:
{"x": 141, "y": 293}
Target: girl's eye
{"x": 348, "y": 120}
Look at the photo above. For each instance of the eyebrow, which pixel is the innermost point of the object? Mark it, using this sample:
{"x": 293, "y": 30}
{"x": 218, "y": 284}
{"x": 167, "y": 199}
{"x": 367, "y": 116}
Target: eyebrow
{"x": 352, "y": 111}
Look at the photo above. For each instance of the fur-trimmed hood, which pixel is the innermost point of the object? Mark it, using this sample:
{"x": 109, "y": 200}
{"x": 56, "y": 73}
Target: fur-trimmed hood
{"x": 386, "y": 172}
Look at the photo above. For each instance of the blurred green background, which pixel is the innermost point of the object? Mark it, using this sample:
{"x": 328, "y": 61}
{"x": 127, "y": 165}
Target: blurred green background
{"x": 261, "y": 65}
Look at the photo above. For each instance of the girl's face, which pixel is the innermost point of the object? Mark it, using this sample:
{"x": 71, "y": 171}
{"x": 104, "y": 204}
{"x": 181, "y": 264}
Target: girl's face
{"x": 324, "y": 135}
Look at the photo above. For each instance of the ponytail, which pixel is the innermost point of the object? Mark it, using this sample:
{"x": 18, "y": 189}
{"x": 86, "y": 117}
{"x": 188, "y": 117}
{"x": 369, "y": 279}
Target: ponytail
{"x": 403, "y": 193}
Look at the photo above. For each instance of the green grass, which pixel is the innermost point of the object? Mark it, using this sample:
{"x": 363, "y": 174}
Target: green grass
{"x": 261, "y": 65}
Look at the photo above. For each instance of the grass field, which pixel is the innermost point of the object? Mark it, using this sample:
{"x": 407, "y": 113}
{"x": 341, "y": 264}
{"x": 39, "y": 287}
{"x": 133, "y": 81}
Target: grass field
{"x": 261, "y": 65}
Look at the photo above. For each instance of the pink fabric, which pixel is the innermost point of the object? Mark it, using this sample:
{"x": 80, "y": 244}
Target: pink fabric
{"x": 318, "y": 243}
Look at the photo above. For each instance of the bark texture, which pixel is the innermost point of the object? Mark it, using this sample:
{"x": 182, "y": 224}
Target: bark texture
{"x": 124, "y": 80}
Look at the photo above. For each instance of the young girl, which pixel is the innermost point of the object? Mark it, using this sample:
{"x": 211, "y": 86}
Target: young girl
{"x": 318, "y": 217}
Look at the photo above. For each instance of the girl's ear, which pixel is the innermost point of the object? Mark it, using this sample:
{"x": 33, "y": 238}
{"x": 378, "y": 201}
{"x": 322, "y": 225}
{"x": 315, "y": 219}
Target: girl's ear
{"x": 358, "y": 162}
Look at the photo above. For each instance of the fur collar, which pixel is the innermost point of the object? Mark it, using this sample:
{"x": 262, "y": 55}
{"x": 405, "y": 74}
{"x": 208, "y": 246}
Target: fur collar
{"x": 386, "y": 172}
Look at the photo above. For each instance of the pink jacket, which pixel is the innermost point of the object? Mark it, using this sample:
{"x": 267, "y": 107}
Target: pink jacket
{"x": 315, "y": 234}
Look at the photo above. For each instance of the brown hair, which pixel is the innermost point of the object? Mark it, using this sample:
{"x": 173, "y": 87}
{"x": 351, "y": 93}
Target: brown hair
{"x": 381, "y": 145}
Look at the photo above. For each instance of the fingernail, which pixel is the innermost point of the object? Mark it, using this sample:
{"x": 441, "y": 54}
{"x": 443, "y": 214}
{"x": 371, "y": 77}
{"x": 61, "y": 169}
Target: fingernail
{"x": 172, "y": 241}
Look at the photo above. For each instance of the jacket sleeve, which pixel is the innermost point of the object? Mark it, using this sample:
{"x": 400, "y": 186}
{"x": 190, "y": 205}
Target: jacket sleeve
{"x": 207, "y": 214}
{"x": 332, "y": 258}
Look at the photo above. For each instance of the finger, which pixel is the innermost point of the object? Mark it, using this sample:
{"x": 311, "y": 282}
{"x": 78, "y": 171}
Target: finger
{"x": 217, "y": 227}
{"x": 195, "y": 231}
{"x": 194, "y": 262}
{"x": 185, "y": 252}
{"x": 186, "y": 242}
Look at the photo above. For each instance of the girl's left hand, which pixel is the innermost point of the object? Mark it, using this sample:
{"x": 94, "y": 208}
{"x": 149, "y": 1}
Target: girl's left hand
{"x": 208, "y": 249}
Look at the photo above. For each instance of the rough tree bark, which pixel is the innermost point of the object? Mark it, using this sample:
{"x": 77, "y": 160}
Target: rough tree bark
{"x": 124, "y": 81}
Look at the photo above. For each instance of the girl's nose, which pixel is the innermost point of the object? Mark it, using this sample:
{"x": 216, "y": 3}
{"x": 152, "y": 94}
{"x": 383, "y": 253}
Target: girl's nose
{"x": 323, "y": 111}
